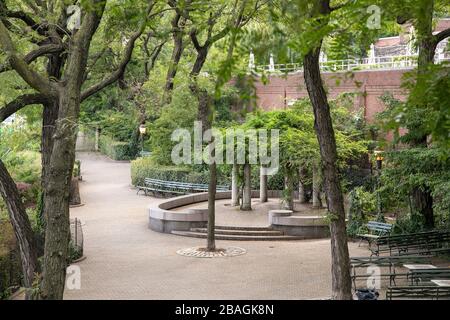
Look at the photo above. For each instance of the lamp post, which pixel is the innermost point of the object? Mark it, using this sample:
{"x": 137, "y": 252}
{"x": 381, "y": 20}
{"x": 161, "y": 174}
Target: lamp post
{"x": 142, "y": 131}
{"x": 379, "y": 159}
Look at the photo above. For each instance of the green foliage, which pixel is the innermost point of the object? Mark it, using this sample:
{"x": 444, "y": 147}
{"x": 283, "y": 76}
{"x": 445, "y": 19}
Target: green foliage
{"x": 116, "y": 150}
{"x": 423, "y": 168}
{"x": 180, "y": 113}
{"x": 9, "y": 260}
{"x": 409, "y": 224}
{"x": 19, "y": 153}
{"x": 118, "y": 125}
{"x": 74, "y": 252}
{"x": 362, "y": 204}
{"x": 426, "y": 112}
{"x": 147, "y": 167}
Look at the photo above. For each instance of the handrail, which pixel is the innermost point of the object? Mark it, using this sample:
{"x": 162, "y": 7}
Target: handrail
{"x": 384, "y": 62}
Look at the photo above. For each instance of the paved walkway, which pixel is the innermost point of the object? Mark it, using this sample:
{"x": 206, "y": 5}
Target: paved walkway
{"x": 126, "y": 260}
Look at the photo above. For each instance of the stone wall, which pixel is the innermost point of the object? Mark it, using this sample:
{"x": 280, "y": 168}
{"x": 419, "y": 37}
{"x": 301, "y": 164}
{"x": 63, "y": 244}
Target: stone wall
{"x": 368, "y": 85}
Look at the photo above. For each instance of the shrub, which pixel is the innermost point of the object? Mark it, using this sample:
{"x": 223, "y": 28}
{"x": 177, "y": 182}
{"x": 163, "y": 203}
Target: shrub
{"x": 180, "y": 113}
{"x": 10, "y": 268}
{"x": 142, "y": 168}
{"x": 409, "y": 224}
{"x": 361, "y": 205}
{"x": 116, "y": 150}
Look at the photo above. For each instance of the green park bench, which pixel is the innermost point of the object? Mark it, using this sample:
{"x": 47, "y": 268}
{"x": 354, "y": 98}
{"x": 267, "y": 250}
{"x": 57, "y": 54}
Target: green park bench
{"x": 376, "y": 230}
{"x": 430, "y": 242}
{"x": 174, "y": 187}
{"x": 418, "y": 292}
{"x": 424, "y": 276}
{"x": 389, "y": 262}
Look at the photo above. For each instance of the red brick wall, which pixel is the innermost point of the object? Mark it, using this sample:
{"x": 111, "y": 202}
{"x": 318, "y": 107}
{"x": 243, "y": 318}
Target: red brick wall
{"x": 369, "y": 85}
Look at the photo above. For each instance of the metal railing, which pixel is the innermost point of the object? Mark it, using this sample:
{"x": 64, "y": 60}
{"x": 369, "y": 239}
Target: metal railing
{"x": 376, "y": 63}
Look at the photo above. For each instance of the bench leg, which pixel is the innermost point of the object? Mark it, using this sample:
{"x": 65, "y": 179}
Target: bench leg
{"x": 360, "y": 241}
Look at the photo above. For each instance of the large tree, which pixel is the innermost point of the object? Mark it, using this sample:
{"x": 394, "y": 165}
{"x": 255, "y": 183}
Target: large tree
{"x": 308, "y": 24}
{"x": 220, "y": 19}
{"x": 422, "y": 15}
{"x": 59, "y": 89}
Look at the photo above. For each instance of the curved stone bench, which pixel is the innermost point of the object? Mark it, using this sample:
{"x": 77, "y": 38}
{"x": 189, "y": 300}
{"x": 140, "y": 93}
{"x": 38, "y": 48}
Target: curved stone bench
{"x": 162, "y": 219}
{"x": 310, "y": 227}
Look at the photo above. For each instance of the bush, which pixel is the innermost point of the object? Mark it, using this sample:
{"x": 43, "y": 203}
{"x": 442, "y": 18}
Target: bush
{"x": 409, "y": 224}
{"x": 180, "y": 113}
{"x": 116, "y": 150}
{"x": 10, "y": 268}
{"x": 147, "y": 168}
{"x": 361, "y": 205}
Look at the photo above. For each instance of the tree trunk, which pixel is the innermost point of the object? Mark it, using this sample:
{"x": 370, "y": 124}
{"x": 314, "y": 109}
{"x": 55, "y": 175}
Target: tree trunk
{"x": 341, "y": 282}
{"x": 56, "y": 202}
{"x": 74, "y": 196}
{"x": 289, "y": 190}
{"x": 422, "y": 200}
{"x": 262, "y": 186}
{"x": 235, "y": 186}
{"x": 316, "y": 199}
{"x": 62, "y": 159}
{"x": 422, "y": 203}
{"x": 211, "y": 245}
{"x": 427, "y": 44}
{"x": 178, "y": 24}
{"x": 49, "y": 117}
{"x": 247, "y": 189}
{"x": 301, "y": 187}
{"x": 21, "y": 225}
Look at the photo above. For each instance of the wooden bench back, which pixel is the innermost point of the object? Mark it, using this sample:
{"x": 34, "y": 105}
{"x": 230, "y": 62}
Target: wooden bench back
{"x": 418, "y": 292}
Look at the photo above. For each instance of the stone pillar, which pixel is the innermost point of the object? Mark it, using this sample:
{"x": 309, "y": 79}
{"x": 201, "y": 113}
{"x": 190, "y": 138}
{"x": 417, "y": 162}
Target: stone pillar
{"x": 288, "y": 202}
{"x": 234, "y": 186}
{"x": 97, "y": 137}
{"x": 247, "y": 190}
{"x": 301, "y": 187}
{"x": 317, "y": 202}
{"x": 262, "y": 185}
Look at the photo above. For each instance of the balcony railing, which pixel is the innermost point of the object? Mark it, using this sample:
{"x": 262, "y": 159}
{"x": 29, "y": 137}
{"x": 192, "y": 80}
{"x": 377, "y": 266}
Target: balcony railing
{"x": 377, "y": 63}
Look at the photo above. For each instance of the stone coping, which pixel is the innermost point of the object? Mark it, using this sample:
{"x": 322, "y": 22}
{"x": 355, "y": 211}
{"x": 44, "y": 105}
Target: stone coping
{"x": 285, "y": 218}
{"x": 163, "y": 210}
{"x": 300, "y": 221}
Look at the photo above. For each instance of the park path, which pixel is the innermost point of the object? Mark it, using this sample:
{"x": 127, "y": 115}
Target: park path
{"x": 126, "y": 260}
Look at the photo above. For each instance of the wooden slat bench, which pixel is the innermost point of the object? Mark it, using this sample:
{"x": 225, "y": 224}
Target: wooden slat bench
{"x": 390, "y": 262}
{"x": 431, "y": 242}
{"x": 418, "y": 292}
{"x": 424, "y": 276}
{"x": 376, "y": 230}
{"x": 174, "y": 187}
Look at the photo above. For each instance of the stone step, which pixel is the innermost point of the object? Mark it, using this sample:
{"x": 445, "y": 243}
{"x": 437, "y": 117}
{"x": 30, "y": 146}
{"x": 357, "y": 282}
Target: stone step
{"x": 243, "y": 228}
{"x": 236, "y": 237}
{"x": 241, "y": 232}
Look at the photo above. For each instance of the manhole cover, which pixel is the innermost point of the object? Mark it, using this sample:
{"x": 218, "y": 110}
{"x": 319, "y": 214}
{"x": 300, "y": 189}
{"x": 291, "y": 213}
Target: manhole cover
{"x": 199, "y": 252}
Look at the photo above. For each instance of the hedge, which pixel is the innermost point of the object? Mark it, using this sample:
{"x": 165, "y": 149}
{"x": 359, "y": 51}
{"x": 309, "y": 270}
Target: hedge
{"x": 116, "y": 150}
{"x": 146, "y": 167}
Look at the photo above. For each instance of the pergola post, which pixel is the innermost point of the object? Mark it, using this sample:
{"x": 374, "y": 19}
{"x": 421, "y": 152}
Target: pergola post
{"x": 317, "y": 201}
{"x": 301, "y": 187}
{"x": 247, "y": 190}
{"x": 289, "y": 189}
{"x": 234, "y": 186}
{"x": 262, "y": 185}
